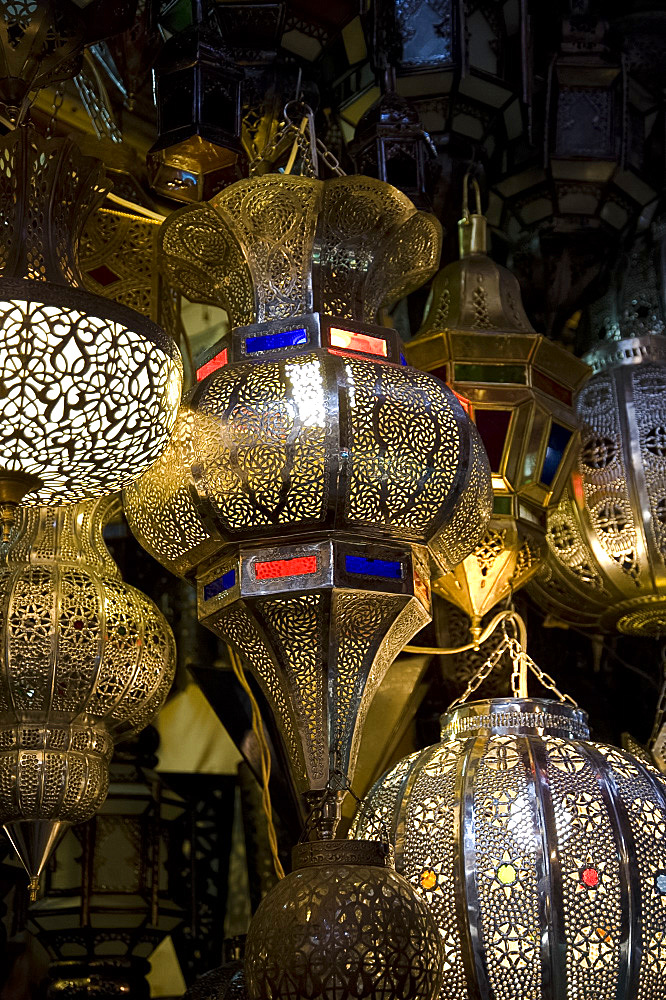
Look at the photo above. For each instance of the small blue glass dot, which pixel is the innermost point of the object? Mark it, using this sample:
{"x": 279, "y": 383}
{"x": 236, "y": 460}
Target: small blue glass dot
{"x": 660, "y": 882}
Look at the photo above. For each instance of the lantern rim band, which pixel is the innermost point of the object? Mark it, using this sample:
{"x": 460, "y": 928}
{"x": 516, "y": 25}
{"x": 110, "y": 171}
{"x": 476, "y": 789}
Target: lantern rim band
{"x": 89, "y": 304}
{"x": 650, "y": 348}
{"x": 515, "y": 717}
{"x": 328, "y": 853}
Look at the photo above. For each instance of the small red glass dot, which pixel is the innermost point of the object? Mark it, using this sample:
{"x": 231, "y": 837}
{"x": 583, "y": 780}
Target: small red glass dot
{"x": 590, "y": 877}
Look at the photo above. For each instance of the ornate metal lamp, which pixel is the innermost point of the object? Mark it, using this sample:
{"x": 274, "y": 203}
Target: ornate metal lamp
{"x": 309, "y": 470}
{"x": 109, "y": 888}
{"x": 538, "y": 851}
{"x": 198, "y": 94}
{"x": 606, "y": 561}
{"x": 90, "y": 388}
{"x": 518, "y": 388}
{"x": 343, "y": 925}
{"x": 85, "y": 660}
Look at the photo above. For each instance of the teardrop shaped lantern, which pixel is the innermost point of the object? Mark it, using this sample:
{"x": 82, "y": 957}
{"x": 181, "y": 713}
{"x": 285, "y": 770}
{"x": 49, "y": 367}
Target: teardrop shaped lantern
{"x": 85, "y": 660}
{"x": 311, "y": 467}
{"x": 539, "y": 852}
{"x": 606, "y": 565}
{"x": 90, "y": 388}
{"x": 517, "y": 387}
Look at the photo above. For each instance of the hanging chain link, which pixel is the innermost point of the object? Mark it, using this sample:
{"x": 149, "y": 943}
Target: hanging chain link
{"x": 520, "y": 661}
{"x": 58, "y": 98}
{"x": 298, "y": 130}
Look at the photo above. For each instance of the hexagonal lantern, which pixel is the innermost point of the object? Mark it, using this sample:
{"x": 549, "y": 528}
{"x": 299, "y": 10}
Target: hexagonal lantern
{"x": 518, "y": 389}
{"x": 310, "y": 466}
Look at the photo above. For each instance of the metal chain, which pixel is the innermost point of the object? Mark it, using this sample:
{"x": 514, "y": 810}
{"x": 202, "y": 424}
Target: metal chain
{"x": 517, "y": 653}
{"x": 303, "y": 138}
{"x": 484, "y": 671}
{"x": 58, "y": 98}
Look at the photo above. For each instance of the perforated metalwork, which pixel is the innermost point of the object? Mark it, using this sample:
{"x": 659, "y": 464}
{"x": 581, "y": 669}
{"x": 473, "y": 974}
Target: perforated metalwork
{"x": 280, "y": 245}
{"x": 84, "y": 660}
{"x": 606, "y": 561}
{"x": 340, "y": 932}
{"x": 541, "y": 856}
{"x": 90, "y": 387}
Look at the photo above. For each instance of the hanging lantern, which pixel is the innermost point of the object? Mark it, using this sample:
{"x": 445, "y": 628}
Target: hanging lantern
{"x": 607, "y": 541}
{"x": 85, "y": 660}
{"x": 518, "y": 388}
{"x": 90, "y": 388}
{"x": 227, "y": 982}
{"x": 343, "y": 925}
{"x": 108, "y": 898}
{"x": 310, "y": 467}
{"x": 198, "y": 97}
{"x": 538, "y": 851}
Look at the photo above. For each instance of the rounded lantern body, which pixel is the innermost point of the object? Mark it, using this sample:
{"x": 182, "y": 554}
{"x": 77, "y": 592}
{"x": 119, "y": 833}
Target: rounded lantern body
{"x": 606, "y": 564}
{"x": 86, "y": 660}
{"x": 342, "y": 925}
{"x": 539, "y": 852}
{"x": 90, "y": 387}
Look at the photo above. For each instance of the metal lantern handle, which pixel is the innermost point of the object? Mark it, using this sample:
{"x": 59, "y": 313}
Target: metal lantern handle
{"x": 477, "y": 196}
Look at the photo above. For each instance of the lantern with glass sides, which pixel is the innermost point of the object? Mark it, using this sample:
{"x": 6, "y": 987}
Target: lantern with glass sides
{"x": 517, "y": 388}
{"x": 309, "y": 470}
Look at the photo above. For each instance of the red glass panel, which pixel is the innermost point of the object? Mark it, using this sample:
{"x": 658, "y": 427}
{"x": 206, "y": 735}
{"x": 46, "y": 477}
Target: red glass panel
{"x": 103, "y": 275}
{"x": 277, "y": 568}
{"x": 493, "y": 426}
{"x": 219, "y": 361}
{"x": 349, "y": 341}
{"x": 550, "y": 386}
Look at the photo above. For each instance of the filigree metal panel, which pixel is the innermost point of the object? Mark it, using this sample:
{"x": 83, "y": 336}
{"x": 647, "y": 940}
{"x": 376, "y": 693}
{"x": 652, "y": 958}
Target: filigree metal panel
{"x": 85, "y": 660}
{"x": 538, "y": 851}
{"x": 606, "y": 562}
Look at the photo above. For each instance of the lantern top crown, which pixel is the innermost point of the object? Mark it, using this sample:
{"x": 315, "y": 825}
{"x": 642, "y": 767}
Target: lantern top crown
{"x": 515, "y": 717}
{"x": 474, "y": 294}
{"x": 277, "y": 246}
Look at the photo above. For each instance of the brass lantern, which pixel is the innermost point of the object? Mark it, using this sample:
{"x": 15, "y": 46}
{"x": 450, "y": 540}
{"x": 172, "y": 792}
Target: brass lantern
{"x": 85, "y": 660}
{"x": 90, "y": 388}
{"x": 606, "y": 563}
{"x": 198, "y": 95}
{"x": 518, "y": 389}
{"x": 309, "y": 470}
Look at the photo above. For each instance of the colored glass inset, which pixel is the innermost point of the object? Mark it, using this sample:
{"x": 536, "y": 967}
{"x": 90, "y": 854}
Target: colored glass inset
{"x": 428, "y": 879}
{"x": 103, "y": 275}
{"x": 493, "y": 426}
{"x": 502, "y": 505}
{"x": 511, "y": 374}
{"x": 275, "y": 569}
{"x": 558, "y": 440}
{"x": 465, "y": 403}
{"x": 507, "y": 874}
{"x": 220, "y": 585}
{"x": 274, "y": 341}
{"x": 386, "y": 568}
{"x": 219, "y": 361}
{"x": 660, "y": 883}
{"x": 590, "y": 878}
{"x": 349, "y": 341}
{"x": 550, "y": 386}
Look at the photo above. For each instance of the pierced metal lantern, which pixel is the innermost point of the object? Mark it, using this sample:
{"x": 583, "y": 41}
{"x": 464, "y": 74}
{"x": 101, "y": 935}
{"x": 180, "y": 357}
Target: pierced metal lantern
{"x": 90, "y": 387}
{"x": 540, "y": 853}
{"x": 198, "y": 97}
{"x": 85, "y": 660}
{"x": 310, "y": 466}
{"x": 343, "y": 925}
{"x": 518, "y": 388}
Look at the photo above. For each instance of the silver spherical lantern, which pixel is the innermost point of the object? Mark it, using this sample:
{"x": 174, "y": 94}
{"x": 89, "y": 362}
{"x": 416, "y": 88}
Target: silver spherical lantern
{"x": 343, "y": 925}
{"x": 541, "y": 854}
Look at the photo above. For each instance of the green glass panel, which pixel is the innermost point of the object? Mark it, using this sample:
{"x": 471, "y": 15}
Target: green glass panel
{"x": 502, "y": 505}
{"x": 490, "y": 373}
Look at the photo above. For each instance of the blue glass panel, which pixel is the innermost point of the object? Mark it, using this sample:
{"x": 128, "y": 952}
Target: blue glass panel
{"x": 386, "y": 568}
{"x": 219, "y": 586}
{"x": 557, "y": 443}
{"x": 403, "y": 359}
{"x": 273, "y": 341}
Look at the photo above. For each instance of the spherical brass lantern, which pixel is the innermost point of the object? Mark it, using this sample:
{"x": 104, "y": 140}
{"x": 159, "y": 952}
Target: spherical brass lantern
{"x": 343, "y": 925}
{"x": 85, "y": 660}
{"x": 540, "y": 853}
{"x": 518, "y": 388}
{"x": 90, "y": 388}
{"x": 310, "y": 469}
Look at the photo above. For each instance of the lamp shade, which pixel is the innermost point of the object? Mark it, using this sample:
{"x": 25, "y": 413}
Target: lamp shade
{"x": 343, "y": 924}
{"x": 310, "y": 466}
{"x": 85, "y": 660}
{"x": 538, "y": 851}
{"x": 90, "y": 387}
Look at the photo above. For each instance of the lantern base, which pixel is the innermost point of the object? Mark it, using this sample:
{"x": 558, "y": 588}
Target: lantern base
{"x": 14, "y": 486}
{"x": 110, "y": 978}
{"x": 34, "y": 840}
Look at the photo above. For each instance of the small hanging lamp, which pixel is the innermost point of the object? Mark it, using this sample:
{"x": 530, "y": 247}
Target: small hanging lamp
{"x": 518, "y": 389}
